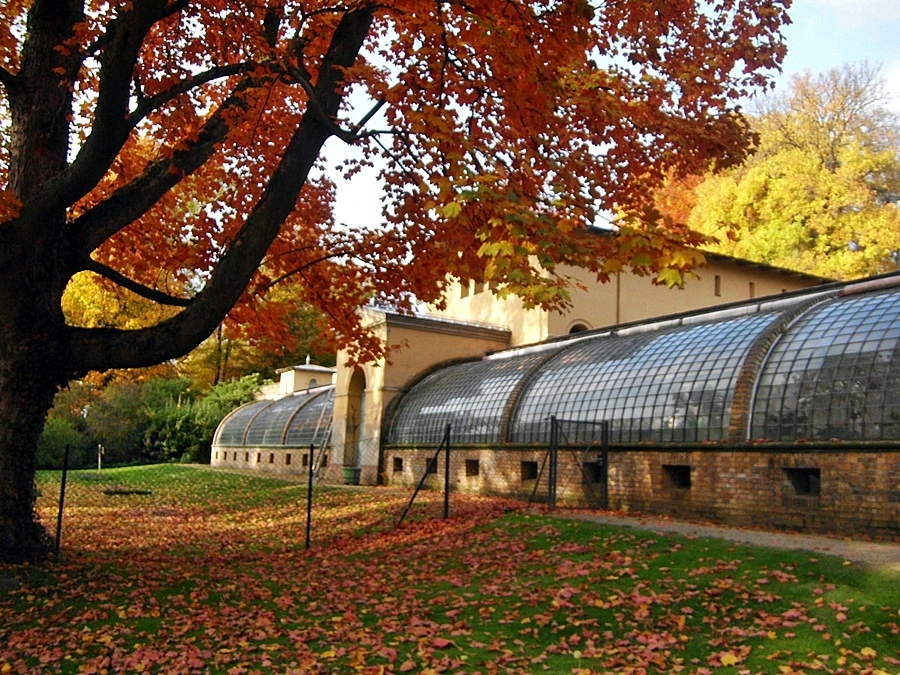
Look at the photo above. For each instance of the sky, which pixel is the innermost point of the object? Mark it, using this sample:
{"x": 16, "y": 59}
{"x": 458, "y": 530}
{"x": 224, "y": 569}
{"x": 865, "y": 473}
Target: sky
{"x": 824, "y": 34}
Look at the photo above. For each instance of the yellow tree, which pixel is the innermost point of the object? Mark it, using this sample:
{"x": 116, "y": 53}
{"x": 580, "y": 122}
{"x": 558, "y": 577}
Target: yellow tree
{"x": 822, "y": 191}
{"x": 508, "y": 126}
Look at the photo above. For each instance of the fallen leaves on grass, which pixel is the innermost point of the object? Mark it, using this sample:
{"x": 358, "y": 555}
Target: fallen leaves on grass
{"x": 208, "y": 574}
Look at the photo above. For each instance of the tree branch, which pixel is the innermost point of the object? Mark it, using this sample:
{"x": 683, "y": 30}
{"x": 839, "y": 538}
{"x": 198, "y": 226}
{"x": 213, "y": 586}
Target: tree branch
{"x": 131, "y": 201}
{"x": 92, "y": 349}
{"x": 147, "y": 105}
{"x": 133, "y": 286}
{"x": 124, "y": 39}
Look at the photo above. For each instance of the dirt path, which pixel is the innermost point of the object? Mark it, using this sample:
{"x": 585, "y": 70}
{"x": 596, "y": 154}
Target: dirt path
{"x": 876, "y": 554}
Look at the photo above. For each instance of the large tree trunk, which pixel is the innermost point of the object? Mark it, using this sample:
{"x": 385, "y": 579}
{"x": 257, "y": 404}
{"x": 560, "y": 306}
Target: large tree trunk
{"x": 27, "y": 387}
{"x": 42, "y": 247}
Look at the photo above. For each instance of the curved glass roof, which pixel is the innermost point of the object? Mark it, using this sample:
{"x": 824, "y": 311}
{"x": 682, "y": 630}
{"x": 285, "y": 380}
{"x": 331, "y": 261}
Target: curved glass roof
{"x": 834, "y": 374}
{"x": 671, "y": 385}
{"x": 471, "y": 397}
{"x": 818, "y": 366}
{"x": 232, "y": 429}
{"x": 298, "y": 420}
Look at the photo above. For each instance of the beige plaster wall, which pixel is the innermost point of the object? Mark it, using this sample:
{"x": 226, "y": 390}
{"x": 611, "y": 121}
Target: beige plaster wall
{"x": 627, "y": 297}
{"x": 480, "y": 304}
{"x": 422, "y": 345}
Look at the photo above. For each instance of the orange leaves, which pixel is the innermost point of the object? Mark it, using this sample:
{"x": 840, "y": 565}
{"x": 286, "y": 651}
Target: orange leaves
{"x": 9, "y": 206}
{"x": 506, "y": 131}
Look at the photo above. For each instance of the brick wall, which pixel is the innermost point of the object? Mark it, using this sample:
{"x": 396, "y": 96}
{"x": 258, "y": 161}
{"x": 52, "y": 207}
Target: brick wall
{"x": 273, "y": 460}
{"x": 823, "y": 489}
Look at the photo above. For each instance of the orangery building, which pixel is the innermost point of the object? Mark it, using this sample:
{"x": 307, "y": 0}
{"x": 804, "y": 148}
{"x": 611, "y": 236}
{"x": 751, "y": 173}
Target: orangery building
{"x": 750, "y": 396}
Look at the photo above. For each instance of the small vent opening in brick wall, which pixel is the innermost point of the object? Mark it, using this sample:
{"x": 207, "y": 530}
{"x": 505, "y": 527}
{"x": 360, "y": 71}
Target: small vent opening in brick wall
{"x": 805, "y": 482}
{"x": 472, "y": 467}
{"x": 529, "y": 470}
{"x": 677, "y": 476}
{"x": 593, "y": 473}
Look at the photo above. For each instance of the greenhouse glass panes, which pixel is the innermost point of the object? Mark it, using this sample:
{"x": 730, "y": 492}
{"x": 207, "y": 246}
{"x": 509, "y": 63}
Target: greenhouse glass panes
{"x": 311, "y": 422}
{"x": 835, "y": 374}
{"x": 668, "y": 385}
{"x": 298, "y": 420}
{"x": 232, "y": 429}
{"x": 267, "y": 428}
{"x": 471, "y": 397}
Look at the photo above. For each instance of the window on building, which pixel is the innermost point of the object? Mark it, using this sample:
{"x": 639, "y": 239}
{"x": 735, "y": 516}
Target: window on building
{"x": 577, "y": 328}
{"x": 677, "y": 476}
{"x": 804, "y": 482}
{"x": 305, "y": 460}
{"x": 431, "y": 465}
{"x": 529, "y": 470}
{"x": 464, "y": 289}
{"x": 718, "y": 285}
{"x": 472, "y": 467}
{"x": 287, "y": 459}
{"x": 752, "y": 289}
{"x": 398, "y": 465}
{"x": 271, "y": 458}
{"x": 246, "y": 456}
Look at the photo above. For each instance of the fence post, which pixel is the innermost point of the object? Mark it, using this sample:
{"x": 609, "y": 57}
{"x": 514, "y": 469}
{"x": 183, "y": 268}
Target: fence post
{"x": 447, "y": 473}
{"x": 309, "y": 495}
{"x": 62, "y": 498}
{"x": 551, "y": 474}
{"x": 425, "y": 475}
{"x": 604, "y": 464}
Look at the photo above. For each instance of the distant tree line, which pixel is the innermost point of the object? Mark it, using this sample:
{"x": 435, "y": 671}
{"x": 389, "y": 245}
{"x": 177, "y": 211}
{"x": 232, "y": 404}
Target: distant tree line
{"x": 158, "y": 419}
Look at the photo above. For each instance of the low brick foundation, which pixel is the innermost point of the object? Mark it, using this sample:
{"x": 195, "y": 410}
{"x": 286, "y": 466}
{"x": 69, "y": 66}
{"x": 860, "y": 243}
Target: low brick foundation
{"x": 824, "y": 489}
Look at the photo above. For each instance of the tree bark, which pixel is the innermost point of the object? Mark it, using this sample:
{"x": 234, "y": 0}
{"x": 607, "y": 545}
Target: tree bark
{"x": 39, "y": 252}
{"x": 28, "y": 383}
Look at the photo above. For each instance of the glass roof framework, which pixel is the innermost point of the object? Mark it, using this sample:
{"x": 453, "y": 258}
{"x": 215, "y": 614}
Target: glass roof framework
{"x": 832, "y": 373}
{"x": 672, "y": 385}
{"x": 472, "y": 397}
{"x": 298, "y": 420}
{"x": 835, "y": 374}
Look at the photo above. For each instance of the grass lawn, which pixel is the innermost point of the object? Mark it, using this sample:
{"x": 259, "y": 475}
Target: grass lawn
{"x": 208, "y": 573}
